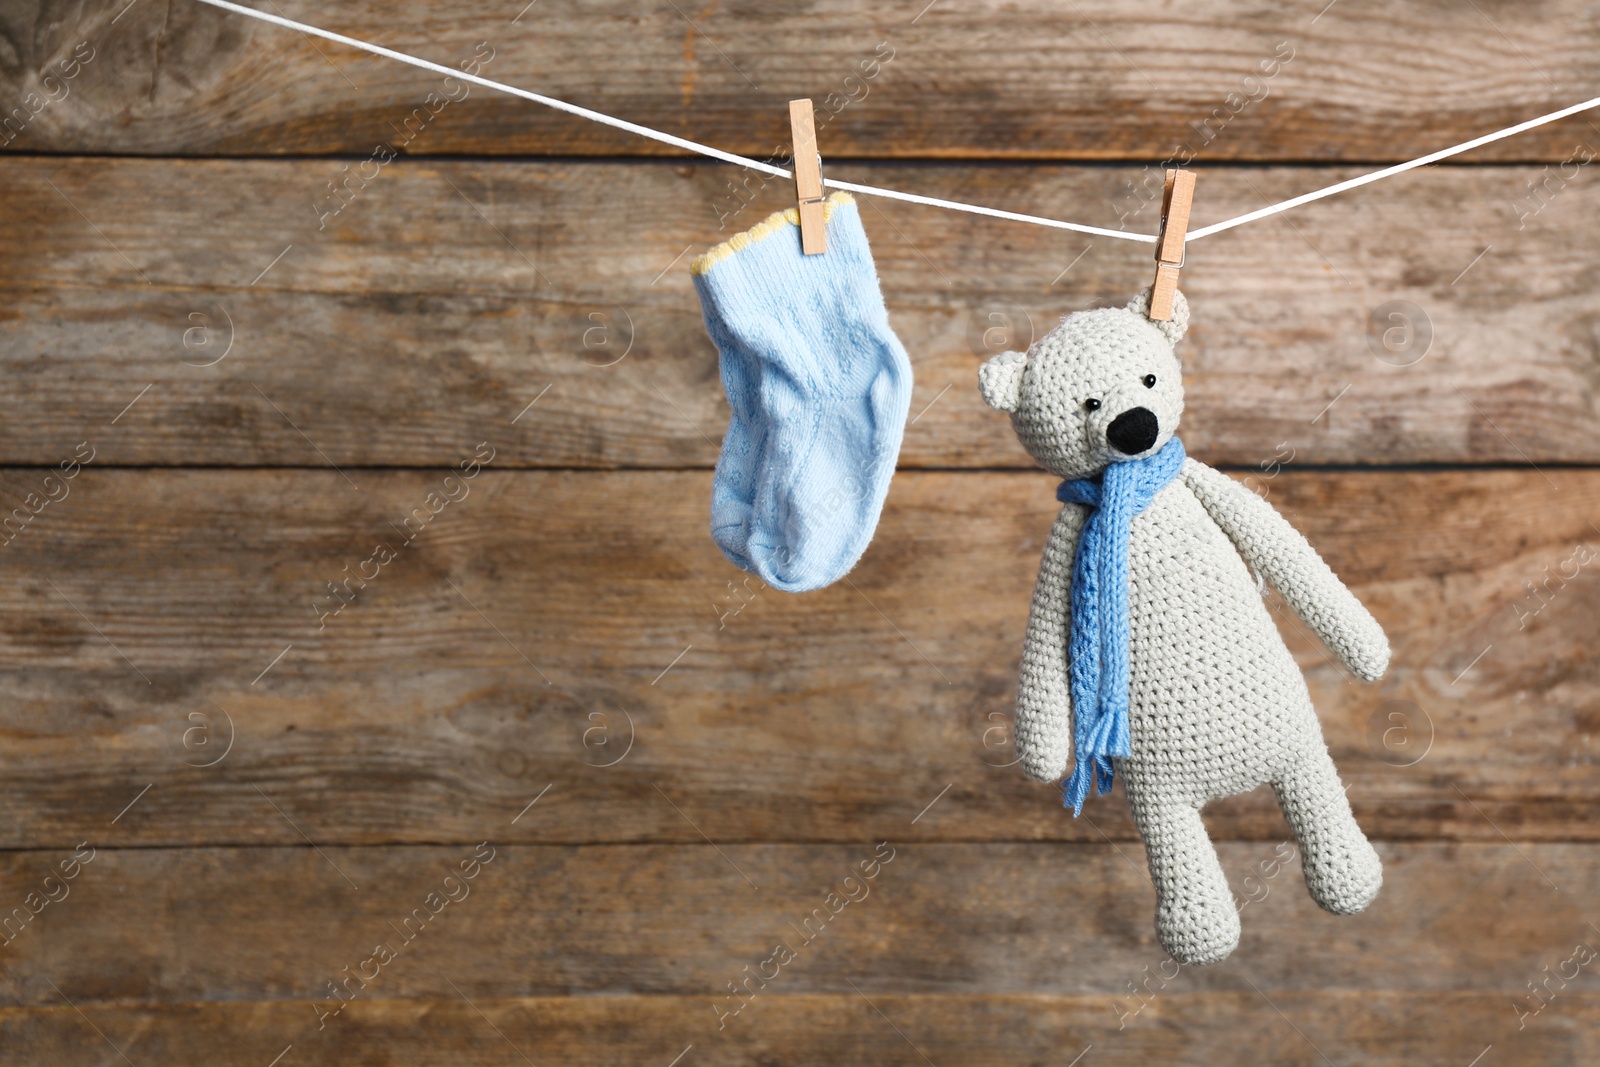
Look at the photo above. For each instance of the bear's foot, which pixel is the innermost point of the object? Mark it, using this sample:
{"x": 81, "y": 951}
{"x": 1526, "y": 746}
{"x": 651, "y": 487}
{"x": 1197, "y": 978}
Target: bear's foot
{"x": 1196, "y": 918}
{"x": 1343, "y": 872}
{"x": 1198, "y": 927}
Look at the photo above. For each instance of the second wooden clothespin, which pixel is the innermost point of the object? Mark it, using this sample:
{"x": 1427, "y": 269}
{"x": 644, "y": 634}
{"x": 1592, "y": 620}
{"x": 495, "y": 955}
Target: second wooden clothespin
{"x": 1175, "y": 204}
{"x": 808, "y": 178}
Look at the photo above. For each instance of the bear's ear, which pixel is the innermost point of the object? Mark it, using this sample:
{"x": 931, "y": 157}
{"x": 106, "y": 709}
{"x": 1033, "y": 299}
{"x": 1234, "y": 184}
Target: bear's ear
{"x": 1000, "y": 380}
{"x": 1174, "y": 328}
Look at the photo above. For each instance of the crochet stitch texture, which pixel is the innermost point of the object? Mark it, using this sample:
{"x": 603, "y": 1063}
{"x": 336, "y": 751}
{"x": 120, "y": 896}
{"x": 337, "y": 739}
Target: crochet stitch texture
{"x": 1216, "y": 704}
{"x": 1097, "y": 659}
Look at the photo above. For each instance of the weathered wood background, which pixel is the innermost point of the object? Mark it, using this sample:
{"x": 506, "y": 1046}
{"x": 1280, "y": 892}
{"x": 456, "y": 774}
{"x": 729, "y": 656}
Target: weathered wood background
{"x": 255, "y": 385}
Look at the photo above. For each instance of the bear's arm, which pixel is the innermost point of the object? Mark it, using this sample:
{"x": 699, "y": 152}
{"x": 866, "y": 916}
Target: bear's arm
{"x": 1044, "y": 698}
{"x": 1282, "y": 556}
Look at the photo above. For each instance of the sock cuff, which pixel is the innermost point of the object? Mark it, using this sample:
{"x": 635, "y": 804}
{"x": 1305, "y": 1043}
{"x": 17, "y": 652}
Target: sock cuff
{"x": 768, "y": 226}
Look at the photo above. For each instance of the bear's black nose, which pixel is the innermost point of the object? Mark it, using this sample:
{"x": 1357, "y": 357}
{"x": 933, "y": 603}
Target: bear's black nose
{"x": 1133, "y": 431}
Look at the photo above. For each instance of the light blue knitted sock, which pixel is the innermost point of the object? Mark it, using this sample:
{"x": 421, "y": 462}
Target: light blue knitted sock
{"x": 819, "y": 387}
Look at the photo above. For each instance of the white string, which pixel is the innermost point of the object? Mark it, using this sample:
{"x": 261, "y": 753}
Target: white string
{"x": 547, "y": 101}
{"x": 1399, "y": 168}
{"x": 954, "y": 205}
{"x": 892, "y": 194}
{"x": 665, "y": 138}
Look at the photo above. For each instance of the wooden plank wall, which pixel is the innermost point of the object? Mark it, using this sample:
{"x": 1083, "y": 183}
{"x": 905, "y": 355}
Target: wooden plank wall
{"x": 574, "y": 775}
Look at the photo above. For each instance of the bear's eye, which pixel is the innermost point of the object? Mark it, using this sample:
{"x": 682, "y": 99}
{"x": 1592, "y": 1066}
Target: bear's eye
{"x": 1092, "y": 404}
{"x": 1149, "y": 381}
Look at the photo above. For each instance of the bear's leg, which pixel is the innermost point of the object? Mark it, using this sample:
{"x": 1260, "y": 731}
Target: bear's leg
{"x": 1196, "y": 917}
{"x": 1342, "y": 871}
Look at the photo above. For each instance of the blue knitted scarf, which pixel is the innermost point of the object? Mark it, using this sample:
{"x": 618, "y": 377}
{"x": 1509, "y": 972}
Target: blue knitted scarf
{"x": 1099, "y": 639}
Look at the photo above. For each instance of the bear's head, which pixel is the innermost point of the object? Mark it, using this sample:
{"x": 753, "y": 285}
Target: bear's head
{"x": 1102, "y": 387}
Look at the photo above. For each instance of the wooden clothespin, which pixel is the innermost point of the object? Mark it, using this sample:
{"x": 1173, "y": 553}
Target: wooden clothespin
{"x": 808, "y": 178}
{"x": 1175, "y": 204}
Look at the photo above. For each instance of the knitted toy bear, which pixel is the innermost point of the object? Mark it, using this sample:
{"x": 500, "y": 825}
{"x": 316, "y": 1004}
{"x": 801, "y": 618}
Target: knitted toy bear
{"x": 1149, "y": 647}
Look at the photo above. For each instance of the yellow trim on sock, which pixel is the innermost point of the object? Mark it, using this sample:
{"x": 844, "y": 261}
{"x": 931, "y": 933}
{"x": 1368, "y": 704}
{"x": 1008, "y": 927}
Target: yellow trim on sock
{"x": 761, "y": 230}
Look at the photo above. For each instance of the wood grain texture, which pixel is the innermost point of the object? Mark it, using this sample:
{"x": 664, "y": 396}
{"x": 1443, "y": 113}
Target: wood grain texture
{"x": 548, "y": 624}
{"x": 626, "y": 954}
{"x": 595, "y": 920}
{"x": 1401, "y": 1029}
{"x": 448, "y": 296}
{"x": 1034, "y": 80}
{"x": 260, "y": 370}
